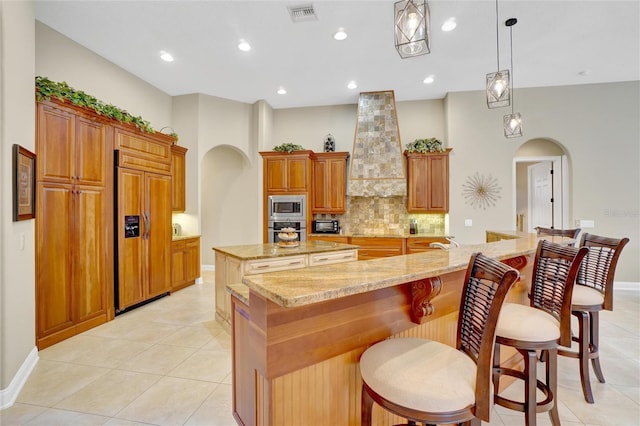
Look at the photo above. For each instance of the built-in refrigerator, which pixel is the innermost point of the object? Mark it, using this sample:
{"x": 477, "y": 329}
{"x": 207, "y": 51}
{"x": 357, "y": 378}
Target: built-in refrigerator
{"x": 143, "y": 236}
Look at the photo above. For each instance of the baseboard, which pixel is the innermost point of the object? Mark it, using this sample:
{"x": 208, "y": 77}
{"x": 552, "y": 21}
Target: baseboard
{"x": 626, "y": 285}
{"x": 8, "y": 396}
{"x": 207, "y": 267}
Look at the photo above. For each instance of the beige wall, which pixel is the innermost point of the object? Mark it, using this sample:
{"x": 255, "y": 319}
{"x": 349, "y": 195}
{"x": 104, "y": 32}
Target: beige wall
{"x": 17, "y": 260}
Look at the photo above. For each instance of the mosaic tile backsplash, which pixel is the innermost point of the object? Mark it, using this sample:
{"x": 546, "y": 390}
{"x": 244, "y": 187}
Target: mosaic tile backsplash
{"x": 384, "y": 216}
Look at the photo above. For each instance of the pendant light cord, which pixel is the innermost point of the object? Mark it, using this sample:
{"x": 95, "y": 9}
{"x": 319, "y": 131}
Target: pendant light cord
{"x": 497, "y": 38}
{"x": 511, "y": 56}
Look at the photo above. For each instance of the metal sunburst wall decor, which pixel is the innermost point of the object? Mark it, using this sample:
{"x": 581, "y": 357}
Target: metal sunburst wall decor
{"x": 481, "y": 191}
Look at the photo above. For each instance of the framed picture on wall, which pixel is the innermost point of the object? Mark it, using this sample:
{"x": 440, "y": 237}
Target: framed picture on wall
{"x": 24, "y": 181}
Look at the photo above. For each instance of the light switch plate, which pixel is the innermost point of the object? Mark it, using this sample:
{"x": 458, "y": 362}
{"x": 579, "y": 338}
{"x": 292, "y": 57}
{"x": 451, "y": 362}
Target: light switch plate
{"x": 468, "y": 222}
{"x": 586, "y": 223}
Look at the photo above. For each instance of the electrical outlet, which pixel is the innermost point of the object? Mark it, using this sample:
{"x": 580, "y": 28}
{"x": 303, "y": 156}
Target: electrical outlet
{"x": 587, "y": 224}
{"x": 468, "y": 222}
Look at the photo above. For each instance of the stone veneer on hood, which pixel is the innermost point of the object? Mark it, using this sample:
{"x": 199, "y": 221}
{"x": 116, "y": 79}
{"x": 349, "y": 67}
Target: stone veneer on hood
{"x": 377, "y": 167}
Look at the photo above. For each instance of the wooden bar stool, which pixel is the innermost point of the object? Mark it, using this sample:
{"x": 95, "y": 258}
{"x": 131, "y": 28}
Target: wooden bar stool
{"x": 593, "y": 293}
{"x": 543, "y": 325}
{"x": 433, "y": 383}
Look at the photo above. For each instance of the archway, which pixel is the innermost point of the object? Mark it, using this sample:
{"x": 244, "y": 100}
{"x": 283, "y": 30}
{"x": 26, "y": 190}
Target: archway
{"x": 541, "y": 185}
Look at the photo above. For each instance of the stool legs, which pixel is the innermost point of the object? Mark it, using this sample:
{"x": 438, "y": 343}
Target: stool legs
{"x": 594, "y": 323}
{"x": 530, "y": 407}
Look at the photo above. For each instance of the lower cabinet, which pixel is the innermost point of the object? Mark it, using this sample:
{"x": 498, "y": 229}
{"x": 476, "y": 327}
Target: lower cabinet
{"x": 185, "y": 262}
{"x": 421, "y": 244}
{"x": 376, "y": 247}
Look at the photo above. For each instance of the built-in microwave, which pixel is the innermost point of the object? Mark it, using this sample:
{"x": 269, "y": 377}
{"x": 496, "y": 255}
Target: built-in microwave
{"x": 287, "y": 207}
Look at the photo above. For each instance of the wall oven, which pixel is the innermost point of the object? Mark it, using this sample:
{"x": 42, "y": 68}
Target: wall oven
{"x": 287, "y": 207}
{"x": 275, "y": 227}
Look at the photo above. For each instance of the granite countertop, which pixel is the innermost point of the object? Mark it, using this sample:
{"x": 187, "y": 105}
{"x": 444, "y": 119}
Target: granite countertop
{"x": 419, "y": 235}
{"x": 264, "y": 251}
{"x": 183, "y": 237}
{"x": 319, "y": 283}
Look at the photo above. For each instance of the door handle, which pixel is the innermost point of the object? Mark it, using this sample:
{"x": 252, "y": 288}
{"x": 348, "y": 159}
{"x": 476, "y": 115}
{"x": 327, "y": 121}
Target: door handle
{"x": 145, "y": 234}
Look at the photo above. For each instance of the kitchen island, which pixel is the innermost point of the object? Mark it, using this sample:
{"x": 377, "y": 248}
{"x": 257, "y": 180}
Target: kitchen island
{"x": 234, "y": 262}
{"x": 298, "y": 335}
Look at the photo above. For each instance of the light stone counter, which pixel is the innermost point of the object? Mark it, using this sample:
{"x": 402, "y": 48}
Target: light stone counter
{"x": 321, "y": 283}
{"x": 267, "y": 251}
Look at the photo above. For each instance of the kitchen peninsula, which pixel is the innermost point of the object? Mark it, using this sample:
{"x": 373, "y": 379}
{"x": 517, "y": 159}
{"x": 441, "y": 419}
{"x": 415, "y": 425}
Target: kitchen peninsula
{"x": 234, "y": 262}
{"x": 298, "y": 335}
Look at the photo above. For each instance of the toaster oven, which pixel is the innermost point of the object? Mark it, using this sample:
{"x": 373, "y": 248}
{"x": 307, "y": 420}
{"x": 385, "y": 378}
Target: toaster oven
{"x": 326, "y": 227}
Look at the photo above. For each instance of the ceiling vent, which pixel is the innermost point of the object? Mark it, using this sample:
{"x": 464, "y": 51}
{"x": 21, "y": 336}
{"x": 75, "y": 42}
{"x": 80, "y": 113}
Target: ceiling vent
{"x": 302, "y": 13}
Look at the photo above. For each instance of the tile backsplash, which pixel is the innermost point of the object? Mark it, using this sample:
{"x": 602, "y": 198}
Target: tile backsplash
{"x": 384, "y": 216}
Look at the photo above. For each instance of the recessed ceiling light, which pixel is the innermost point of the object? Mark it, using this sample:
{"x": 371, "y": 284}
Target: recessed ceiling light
{"x": 449, "y": 24}
{"x": 244, "y": 46}
{"x": 352, "y": 85}
{"x": 584, "y": 73}
{"x": 282, "y": 91}
{"x": 340, "y": 35}
{"x": 429, "y": 79}
{"x": 165, "y": 56}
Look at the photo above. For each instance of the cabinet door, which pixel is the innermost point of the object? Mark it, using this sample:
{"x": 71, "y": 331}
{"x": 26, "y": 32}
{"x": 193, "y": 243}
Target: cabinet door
{"x": 90, "y": 247}
{"x": 177, "y": 264}
{"x": 158, "y": 208}
{"x": 275, "y": 174}
{"x": 438, "y": 178}
{"x": 91, "y": 152}
{"x": 55, "y": 144}
{"x": 297, "y": 172}
{"x": 337, "y": 185}
{"x": 178, "y": 163}
{"x": 131, "y": 251}
{"x": 417, "y": 197}
{"x": 54, "y": 260}
{"x": 320, "y": 186}
{"x": 192, "y": 260}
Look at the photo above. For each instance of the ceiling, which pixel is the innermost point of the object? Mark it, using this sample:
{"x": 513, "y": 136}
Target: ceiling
{"x": 554, "y": 43}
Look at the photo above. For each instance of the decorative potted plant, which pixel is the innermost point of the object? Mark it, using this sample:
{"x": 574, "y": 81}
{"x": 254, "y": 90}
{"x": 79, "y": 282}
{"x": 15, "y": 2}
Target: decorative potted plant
{"x": 288, "y": 147}
{"x": 424, "y": 146}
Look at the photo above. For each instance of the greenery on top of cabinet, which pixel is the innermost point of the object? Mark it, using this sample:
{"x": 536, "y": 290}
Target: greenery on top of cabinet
{"x": 288, "y": 147}
{"x": 425, "y": 145}
{"x": 45, "y": 89}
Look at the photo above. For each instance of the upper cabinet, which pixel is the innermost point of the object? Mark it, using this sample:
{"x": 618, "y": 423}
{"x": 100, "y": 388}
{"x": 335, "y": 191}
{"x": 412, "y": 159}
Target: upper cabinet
{"x": 329, "y": 182}
{"x": 178, "y": 167}
{"x": 284, "y": 172}
{"x": 428, "y": 182}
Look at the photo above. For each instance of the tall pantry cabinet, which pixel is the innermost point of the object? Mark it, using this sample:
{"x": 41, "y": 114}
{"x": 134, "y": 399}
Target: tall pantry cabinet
{"x": 74, "y": 222}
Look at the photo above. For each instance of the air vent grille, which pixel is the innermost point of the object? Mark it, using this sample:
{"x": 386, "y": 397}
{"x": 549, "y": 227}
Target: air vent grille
{"x": 302, "y": 13}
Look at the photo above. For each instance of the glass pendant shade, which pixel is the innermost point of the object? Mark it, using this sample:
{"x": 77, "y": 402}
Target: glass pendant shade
{"x": 512, "y": 125}
{"x": 498, "y": 92}
{"x": 411, "y": 30}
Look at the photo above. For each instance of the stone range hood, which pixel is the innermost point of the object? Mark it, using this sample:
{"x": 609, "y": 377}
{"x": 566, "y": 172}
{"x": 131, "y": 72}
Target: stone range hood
{"x": 377, "y": 167}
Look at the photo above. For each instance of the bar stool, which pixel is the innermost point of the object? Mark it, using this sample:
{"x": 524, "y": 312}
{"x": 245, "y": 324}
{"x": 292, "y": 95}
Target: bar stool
{"x": 543, "y": 325}
{"x": 593, "y": 293}
{"x": 430, "y": 382}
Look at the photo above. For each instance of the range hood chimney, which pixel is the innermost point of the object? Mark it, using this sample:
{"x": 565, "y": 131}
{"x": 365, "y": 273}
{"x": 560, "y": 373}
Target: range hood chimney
{"x": 377, "y": 166}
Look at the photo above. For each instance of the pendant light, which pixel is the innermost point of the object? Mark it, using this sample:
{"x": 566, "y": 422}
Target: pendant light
{"x": 512, "y": 122}
{"x": 412, "y": 36}
{"x": 498, "y": 94}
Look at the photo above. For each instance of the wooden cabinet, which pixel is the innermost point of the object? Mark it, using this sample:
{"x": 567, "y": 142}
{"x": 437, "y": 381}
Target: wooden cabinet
{"x": 144, "y": 260}
{"x": 74, "y": 223}
{"x": 185, "y": 263}
{"x": 329, "y": 182}
{"x": 285, "y": 172}
{"x": 376, "y": 247}
{"x": 428, "y": 182}
{"x": 421, "y": 244}
{"x": 342, "y": 239}
{"x": 178, "y": 175}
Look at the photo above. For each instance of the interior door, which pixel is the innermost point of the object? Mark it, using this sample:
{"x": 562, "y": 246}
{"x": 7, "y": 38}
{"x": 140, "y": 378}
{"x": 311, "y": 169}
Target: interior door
{"x": 131, "y": 244}
{"x": 541, "y": 204}
{"x": 158, "y": 248}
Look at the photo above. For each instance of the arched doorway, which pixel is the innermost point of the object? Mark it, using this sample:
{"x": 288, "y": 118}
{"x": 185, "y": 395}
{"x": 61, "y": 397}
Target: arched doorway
{"x": 541, "y": 185}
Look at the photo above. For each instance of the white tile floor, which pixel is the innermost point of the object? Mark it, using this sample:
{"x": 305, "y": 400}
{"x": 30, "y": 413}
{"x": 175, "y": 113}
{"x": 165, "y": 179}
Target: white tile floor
{"x": 169, "y": 363}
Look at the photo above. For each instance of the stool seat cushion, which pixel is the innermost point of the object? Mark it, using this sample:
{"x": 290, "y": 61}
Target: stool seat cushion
{"x": 420, "y": 374}
{"x": 527, "y": 324}
{"x": 586, "y": 296}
